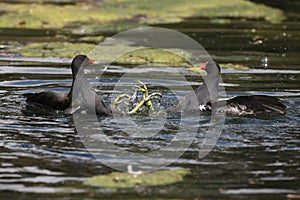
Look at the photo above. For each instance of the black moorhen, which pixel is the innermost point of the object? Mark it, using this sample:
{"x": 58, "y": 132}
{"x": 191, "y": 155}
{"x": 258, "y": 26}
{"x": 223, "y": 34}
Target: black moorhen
{"x": 240, "y": 105}
{"x": 210, "y": 86}
{"x": 63, "y": 100}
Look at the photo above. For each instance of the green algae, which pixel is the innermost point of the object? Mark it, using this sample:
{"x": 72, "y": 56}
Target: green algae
{"x": 234, "y": 66}
{"x": 122, "y": 54}
{"x": 222, "y": 65}
{"x": 50, "y": 16}
{"x": 84, "y": 19}
{"x": 52, "y": 49}
{"x": 91, "y": 39}
{"x": 44, "y": 1}
{"x": 110, "y": 13}
{"x": 126, "y": 180}
{"x": 126, "y": 54}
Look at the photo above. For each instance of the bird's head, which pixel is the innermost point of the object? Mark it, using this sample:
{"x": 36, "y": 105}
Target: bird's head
{"x": 80, "y": 61}
{"x": 211, "y": 68}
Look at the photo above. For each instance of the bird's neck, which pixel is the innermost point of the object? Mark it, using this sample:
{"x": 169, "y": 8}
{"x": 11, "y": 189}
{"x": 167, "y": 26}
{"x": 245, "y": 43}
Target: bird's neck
{"x": 212, "y": 84}
{"x": 80, "y": 80}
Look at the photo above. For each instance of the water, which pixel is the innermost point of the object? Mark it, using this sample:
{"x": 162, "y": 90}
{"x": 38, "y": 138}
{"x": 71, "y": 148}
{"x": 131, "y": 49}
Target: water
{"x": 43, "y": 157}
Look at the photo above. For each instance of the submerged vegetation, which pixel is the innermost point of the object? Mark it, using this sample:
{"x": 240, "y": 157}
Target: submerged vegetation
{"x": 174, "y": 57}
{"x": 46, "y": 15}
{"x": 132, "y": 55}
{"x": 79, "y": 25}
{"x": 52, "y": 49}
{"x": 126, "y": 180}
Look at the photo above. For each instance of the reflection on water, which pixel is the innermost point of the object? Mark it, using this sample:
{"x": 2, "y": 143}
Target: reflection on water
{"x": 41, "y": 154}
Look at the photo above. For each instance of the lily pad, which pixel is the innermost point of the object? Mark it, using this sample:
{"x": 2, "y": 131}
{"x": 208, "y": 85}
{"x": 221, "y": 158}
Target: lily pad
{"x": 126, "y": 180}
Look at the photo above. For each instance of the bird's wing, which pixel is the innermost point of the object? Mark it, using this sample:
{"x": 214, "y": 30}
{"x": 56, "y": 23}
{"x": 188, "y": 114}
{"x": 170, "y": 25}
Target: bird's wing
{"x": 254, "y": 104}
{"x": 55, "y": 100}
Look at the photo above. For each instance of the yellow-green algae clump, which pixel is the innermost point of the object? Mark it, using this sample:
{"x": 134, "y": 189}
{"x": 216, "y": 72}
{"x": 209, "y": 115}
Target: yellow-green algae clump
{"x": 140, "y": 55}
{"x": 234, "y": 66}
{"x": 132, "y": 55}
{"x": 53, "y": 49}
{"x": 42, "y": 15}
{"x": 126, "y": 180}
{"x": 223, "y": 65}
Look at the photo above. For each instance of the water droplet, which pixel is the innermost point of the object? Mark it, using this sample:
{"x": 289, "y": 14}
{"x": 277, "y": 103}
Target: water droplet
{"x": 265, "y": 61}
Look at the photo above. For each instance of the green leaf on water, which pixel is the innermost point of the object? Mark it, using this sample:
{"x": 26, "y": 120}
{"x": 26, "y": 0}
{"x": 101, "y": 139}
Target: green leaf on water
{"x": 234, "y": 66}
{"x": 126, "y": 180}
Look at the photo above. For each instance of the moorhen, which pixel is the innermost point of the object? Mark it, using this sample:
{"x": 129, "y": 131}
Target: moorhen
{"x": 241, "y": 105}
{"x": 63, "y": 100}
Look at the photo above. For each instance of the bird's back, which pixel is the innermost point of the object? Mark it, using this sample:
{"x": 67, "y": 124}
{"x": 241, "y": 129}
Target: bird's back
{"x": 55, "y": 100}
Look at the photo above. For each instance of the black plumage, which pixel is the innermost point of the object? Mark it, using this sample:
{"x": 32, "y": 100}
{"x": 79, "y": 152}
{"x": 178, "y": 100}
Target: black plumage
{"x": 63, "y": 100}
{"x": 207, "y": 98}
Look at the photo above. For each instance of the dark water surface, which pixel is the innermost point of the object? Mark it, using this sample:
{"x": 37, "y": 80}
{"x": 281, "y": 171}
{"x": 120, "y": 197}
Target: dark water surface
{"x": 42, "y": 156}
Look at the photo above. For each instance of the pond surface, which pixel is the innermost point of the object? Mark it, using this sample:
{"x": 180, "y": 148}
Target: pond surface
{"x": 42, "y": 156}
